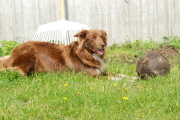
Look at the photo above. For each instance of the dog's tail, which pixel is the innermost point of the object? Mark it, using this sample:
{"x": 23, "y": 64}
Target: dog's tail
{"x": 4, "y": 61}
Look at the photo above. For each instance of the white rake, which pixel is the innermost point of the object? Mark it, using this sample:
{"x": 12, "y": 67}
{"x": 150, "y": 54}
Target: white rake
{"x": 60, "y": 31}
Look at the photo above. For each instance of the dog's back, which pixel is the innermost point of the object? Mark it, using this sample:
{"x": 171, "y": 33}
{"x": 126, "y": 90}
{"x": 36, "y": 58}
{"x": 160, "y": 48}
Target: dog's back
{"x": 36, "y": 56}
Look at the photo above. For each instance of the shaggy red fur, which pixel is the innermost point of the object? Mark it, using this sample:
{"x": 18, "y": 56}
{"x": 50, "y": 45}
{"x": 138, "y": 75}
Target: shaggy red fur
{"x": 84, "y": 55}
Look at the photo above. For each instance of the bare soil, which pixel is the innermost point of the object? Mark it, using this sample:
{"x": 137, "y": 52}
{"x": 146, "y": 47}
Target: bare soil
{"x": 167, "y": 52}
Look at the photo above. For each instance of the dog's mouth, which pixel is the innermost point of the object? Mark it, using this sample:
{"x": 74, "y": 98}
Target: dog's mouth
{"x": 99, "y": 51}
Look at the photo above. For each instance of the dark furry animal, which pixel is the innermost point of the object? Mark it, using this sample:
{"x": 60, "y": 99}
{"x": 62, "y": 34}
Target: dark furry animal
{"x": 84, "y": 55}
{"x": 152, "y": 64}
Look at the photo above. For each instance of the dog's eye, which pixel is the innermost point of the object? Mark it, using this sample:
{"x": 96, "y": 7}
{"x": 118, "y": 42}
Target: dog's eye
{"x": 91, "y": 39}
{"x": 102, "y": 38}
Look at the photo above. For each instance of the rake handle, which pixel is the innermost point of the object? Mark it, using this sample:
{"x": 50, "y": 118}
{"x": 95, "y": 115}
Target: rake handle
{"x": 62, "y": 9}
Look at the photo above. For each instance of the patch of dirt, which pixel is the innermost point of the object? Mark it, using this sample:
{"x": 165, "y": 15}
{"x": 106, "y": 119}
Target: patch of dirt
{"x": 167, "y": 52}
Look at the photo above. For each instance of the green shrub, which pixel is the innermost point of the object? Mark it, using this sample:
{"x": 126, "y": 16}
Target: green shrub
{"x": 172, "y": 41}
{"x": 7, "y": 47}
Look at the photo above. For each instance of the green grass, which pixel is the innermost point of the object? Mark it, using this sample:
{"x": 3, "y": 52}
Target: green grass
{"x": 71, "y": 96}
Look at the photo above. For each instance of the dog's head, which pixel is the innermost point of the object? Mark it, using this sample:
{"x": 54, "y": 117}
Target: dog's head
{"x": 94, "y": 40}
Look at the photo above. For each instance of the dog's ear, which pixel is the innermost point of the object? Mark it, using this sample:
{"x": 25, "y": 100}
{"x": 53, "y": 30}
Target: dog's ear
{"x": 104, "y": 35}
{"x": 81, "y": 34}
{"x": 81, "y": 37}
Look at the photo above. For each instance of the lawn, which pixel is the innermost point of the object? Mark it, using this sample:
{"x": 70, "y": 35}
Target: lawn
{"x": 74, "y": 96}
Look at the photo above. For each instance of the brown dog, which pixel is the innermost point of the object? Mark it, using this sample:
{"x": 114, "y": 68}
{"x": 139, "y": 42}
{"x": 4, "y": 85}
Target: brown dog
{"x": 84, "y": 55}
